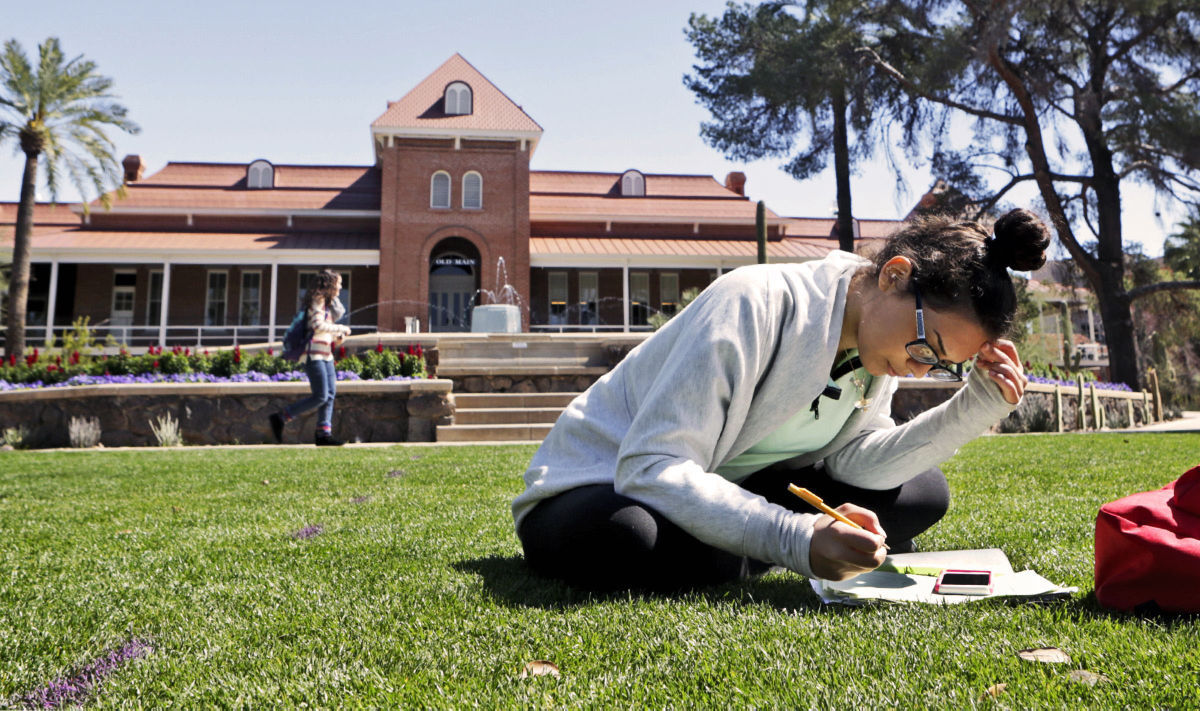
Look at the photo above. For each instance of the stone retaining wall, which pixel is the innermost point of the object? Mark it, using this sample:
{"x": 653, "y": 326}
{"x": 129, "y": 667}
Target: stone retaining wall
{"x": 230, "y": 413}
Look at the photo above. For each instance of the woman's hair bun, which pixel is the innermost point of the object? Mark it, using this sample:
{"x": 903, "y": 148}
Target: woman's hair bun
{"x": 1020, "y": 241}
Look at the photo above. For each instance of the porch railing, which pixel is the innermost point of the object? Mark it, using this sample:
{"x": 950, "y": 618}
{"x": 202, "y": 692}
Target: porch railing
{"x": 193, "y": 336}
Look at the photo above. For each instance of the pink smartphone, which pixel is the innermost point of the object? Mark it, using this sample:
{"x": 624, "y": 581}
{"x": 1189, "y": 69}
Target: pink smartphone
{"x": 964, "y": 582}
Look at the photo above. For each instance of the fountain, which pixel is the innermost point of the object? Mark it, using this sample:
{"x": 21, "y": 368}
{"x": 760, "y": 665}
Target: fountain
{"x": 503, "y": 314}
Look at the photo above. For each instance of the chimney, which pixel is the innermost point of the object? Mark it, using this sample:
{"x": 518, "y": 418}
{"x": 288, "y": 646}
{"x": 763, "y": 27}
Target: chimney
{"x": 736, "y": 181}
{"x": 133, "y": 168}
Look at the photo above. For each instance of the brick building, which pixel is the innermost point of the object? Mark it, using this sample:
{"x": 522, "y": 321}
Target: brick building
{"x": 449, "y": 216}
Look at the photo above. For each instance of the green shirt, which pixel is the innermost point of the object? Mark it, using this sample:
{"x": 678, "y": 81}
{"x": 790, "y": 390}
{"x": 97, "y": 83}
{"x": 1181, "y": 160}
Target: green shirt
{"x": 804, "y": 431}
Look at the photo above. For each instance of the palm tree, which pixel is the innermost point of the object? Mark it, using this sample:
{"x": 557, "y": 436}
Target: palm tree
{"x": 59, "y": 110}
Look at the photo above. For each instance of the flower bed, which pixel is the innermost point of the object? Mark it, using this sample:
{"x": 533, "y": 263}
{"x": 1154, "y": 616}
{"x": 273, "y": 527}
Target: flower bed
{"x": 181, "y": 365}
{"x": 1098, "y": 384}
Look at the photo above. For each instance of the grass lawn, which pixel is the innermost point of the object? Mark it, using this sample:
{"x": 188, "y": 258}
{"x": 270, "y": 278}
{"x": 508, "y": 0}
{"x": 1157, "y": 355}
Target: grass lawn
{"x": 412, "y": 591}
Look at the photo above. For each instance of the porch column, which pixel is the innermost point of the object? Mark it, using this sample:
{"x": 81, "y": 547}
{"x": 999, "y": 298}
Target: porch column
{"x": 164, "y": 305}
{"x": 625, "y": 295}
{"x": 274, "y": 300}
{"x": 52, "y": 302}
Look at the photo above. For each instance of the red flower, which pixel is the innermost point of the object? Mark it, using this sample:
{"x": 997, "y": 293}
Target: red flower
{"x": 237, "y": 354}
{"x": 206, "y": 352}
{"x": 420, "y": 351}
{"x": 379, "y": 347}
{"x": 270, "y": 351}
{"x": 156, "y": 364}
{"x": 75, "y": 357}
{"x": 58, "y": 360}
{"x": 187, "y": 351}
{"x": 35, "y": 353}
{"x": 51, "y": 368}
{"x": 107, "y": 373}
{"x": 341, "y": 352}
{"x": 124, "y": 352}
{"x": 12, "y": 358}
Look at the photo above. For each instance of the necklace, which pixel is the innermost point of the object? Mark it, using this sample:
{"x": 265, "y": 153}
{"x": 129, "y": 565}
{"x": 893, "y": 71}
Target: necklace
{"x": 860, "y": 385}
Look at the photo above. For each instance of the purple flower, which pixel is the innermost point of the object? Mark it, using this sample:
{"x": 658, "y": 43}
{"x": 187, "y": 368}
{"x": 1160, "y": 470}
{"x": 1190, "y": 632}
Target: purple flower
{"x": 73, "y": 690}
{"x": 309, "y": 532}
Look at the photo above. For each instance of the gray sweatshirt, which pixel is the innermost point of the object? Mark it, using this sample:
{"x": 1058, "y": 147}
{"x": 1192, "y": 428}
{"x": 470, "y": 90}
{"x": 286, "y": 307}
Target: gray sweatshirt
{"x": 755, "y": 348}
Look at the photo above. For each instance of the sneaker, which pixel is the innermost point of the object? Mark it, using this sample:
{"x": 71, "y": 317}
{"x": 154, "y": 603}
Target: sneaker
{"x": 325, "y": 440}
{"x": 277, "y": 427}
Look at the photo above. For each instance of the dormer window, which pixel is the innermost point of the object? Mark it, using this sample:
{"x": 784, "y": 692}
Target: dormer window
{"x": 633, "y": 184}
{"x": 458, "y": 99}
{"x": 260, "y": 175}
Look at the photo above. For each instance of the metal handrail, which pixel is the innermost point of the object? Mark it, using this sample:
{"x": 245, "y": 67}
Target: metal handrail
{"x": 193, "y": 336}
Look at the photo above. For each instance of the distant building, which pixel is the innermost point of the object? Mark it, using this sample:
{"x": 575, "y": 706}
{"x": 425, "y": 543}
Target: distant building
{"x": 1057, "y": 291}
{"x": 449, "y": 216}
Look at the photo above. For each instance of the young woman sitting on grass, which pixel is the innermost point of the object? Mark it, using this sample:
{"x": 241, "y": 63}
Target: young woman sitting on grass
{"x": 672, "y": 470}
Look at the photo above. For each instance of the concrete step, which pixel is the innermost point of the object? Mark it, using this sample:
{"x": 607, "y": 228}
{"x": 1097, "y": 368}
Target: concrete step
{"x": 492, "y": 433}
{"x": 469, "y": 401}
{"x": 506, "y": 415}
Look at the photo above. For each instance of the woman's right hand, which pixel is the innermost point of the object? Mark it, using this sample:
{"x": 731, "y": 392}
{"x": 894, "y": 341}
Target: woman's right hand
{"x": 840, "y": 552}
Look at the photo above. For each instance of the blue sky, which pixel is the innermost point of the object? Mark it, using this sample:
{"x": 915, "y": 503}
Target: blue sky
{"x": 301, "y": 81}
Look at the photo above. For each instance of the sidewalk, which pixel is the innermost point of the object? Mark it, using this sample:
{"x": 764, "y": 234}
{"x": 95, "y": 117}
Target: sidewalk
{"x": 1189, "y": 421}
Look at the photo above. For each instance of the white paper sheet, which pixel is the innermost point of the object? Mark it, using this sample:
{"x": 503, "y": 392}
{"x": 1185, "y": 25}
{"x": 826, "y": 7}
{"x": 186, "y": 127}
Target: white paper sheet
{"x": 904, "y": 587}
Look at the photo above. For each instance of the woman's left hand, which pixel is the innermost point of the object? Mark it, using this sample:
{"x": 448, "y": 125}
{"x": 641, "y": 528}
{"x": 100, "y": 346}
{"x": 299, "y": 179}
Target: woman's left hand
{"x": 1003, "y": 366}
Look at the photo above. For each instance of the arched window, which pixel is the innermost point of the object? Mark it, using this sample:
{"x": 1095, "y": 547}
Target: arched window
{"x": 458, "y": 99}
{"x": 472, "y": 191}
{"x": 260, "y": 175}
{"x": 439, "y": 189}
{"x": 633, "y": 184}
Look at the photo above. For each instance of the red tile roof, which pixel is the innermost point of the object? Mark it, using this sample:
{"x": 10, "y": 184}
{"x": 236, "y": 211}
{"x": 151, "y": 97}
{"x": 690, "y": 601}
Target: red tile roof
{"x": 181, "y": 186}
{"x": 577, "y": 246}
{"x": 81, "y": 239}
{"x": 422, "y": 107}
{"x": 575, "y": 196}
{"x": 44, "y": 214}
{"x": 550, "y": 181}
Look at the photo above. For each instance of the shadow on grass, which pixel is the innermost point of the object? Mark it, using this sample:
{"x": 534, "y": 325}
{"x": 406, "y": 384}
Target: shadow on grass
{"x": 509, "y": 581}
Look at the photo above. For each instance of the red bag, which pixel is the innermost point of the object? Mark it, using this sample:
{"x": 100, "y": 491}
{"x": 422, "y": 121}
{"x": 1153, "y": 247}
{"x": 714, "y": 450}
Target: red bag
{"x": 1148, "y": 549}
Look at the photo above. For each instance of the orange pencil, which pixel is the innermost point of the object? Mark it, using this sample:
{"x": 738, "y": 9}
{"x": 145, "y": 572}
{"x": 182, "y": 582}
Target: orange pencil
{"x": 822, "y": 506}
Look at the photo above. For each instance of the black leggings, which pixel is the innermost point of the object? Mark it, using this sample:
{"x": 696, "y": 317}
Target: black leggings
{"x": 594, "y": 538}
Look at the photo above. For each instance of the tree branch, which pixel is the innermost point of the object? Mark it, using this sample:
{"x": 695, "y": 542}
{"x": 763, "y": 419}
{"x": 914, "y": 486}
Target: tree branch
{"x": 1124, "y": 47}
{"x": 1161, "y": 286}
{"x": 991, "y": 202}
{"x": 907, "y": 83}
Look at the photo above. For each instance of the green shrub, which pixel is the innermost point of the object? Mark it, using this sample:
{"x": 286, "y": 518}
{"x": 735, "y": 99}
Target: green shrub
{"x": 173, "y": 363}
{"x": 351, "y": 364}
{"x": 227, "y": 363}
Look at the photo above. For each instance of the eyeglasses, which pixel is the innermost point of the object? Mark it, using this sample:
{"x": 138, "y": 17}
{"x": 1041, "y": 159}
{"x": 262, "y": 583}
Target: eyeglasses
{"x": 922, "y": 351}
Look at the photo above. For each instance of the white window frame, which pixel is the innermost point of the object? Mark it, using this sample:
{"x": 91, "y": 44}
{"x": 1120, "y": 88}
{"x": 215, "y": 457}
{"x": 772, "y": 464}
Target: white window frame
{"x": 130, "y": 291}
{"x": 589, "y": 285}
{"x": 208, "y": 302}
{"x": 260, "y": 175}
{"x": 557, "y": 291}
{"x": 242, "y": 302}
{"x": 433, "y": 190}
{"x": 343, "y": 295}
{"x": 457, "y": 94}
{"x": 153, "y": 298}
{"x": 633, "y": 184}
{"x": 478, "y": 204}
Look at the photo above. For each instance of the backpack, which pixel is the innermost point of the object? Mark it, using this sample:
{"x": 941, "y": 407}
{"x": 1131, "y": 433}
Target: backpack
{"x": 1148, "y": 549}
{"x": 295, "y": 340}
